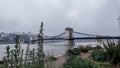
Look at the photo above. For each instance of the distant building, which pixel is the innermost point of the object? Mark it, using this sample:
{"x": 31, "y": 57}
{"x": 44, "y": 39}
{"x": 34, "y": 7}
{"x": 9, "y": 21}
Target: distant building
{"x": 10, "y": 37}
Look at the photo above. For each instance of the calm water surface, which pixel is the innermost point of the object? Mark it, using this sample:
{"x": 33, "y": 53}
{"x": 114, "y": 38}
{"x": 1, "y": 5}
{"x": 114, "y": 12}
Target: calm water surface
{"x": 51, "y": 48}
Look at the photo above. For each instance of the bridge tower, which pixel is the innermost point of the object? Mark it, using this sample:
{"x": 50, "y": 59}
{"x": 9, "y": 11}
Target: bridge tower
{"x": 69, "y": 36}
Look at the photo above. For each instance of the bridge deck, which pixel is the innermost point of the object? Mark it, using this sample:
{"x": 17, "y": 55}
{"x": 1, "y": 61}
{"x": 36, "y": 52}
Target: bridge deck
{"x": 78, "y": 38}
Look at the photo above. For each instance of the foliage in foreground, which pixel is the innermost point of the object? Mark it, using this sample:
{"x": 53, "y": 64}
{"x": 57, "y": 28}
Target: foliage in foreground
{"x": 113, "y": 51}
{"x": 77, "y": 51}
{"x": 99, "y": 55}
{"x": 15, "y": 58}
{"x": 104, "y": 64}
{"x": 84, "y": 49}
{"x": 77, "y": 62}
{"x": 110, "y": 53}
{"x": 74, "y": 51}
{"x": 97, "y": 47}
{"x": 52, "y": 58}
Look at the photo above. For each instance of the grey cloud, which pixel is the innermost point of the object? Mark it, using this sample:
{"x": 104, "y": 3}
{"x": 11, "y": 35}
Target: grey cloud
{"x": 88, "y": 16}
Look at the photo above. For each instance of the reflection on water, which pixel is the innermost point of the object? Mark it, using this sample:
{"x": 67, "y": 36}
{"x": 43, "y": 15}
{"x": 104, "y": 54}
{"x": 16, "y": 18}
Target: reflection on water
{"x": 51, "y": 48}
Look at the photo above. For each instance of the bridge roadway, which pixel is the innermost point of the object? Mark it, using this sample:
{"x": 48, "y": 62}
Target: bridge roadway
{"x": 78, "y": 38}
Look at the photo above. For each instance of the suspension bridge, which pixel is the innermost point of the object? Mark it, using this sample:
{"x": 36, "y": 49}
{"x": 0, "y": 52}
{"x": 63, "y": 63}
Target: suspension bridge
{"x": 70, "y": 35}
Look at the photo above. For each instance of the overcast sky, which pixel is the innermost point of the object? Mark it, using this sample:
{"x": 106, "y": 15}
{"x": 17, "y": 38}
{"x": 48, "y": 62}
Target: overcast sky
{"x": 86, "y": 16}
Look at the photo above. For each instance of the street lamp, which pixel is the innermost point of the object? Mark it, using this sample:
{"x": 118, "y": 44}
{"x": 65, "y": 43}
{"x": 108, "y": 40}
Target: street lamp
{"x": 119, "y": 27}
{"x": 119, "y": 22}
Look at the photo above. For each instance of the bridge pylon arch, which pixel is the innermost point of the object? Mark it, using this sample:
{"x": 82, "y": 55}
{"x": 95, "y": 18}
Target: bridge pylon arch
{"x": 69, "y": 36}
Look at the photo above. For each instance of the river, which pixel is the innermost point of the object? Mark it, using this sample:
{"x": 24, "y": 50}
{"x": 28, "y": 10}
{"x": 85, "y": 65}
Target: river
{"x": 51, "y": 48}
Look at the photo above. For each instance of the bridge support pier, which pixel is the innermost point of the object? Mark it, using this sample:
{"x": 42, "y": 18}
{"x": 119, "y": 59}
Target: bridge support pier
{"x": 69, "y": 36}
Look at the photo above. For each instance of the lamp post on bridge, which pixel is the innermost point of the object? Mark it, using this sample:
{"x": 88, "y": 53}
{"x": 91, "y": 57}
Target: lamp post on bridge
{"x": 119, "y": 27}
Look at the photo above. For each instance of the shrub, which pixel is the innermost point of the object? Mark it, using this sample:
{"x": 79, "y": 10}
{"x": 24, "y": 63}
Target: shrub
{"x": 77, "y": 62}
{"x": 98, "y": 47}
{"x": 89, "y": 47}
{"x": 52, "y": 58}
{"x": 113, "y": 51}
{"x": 99, "y": 55}
{"x": 50, "y": 62}
{"x": 84, "y": 49}
{"x": 104, "y": 65}
{"x": 74, "y": 51}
